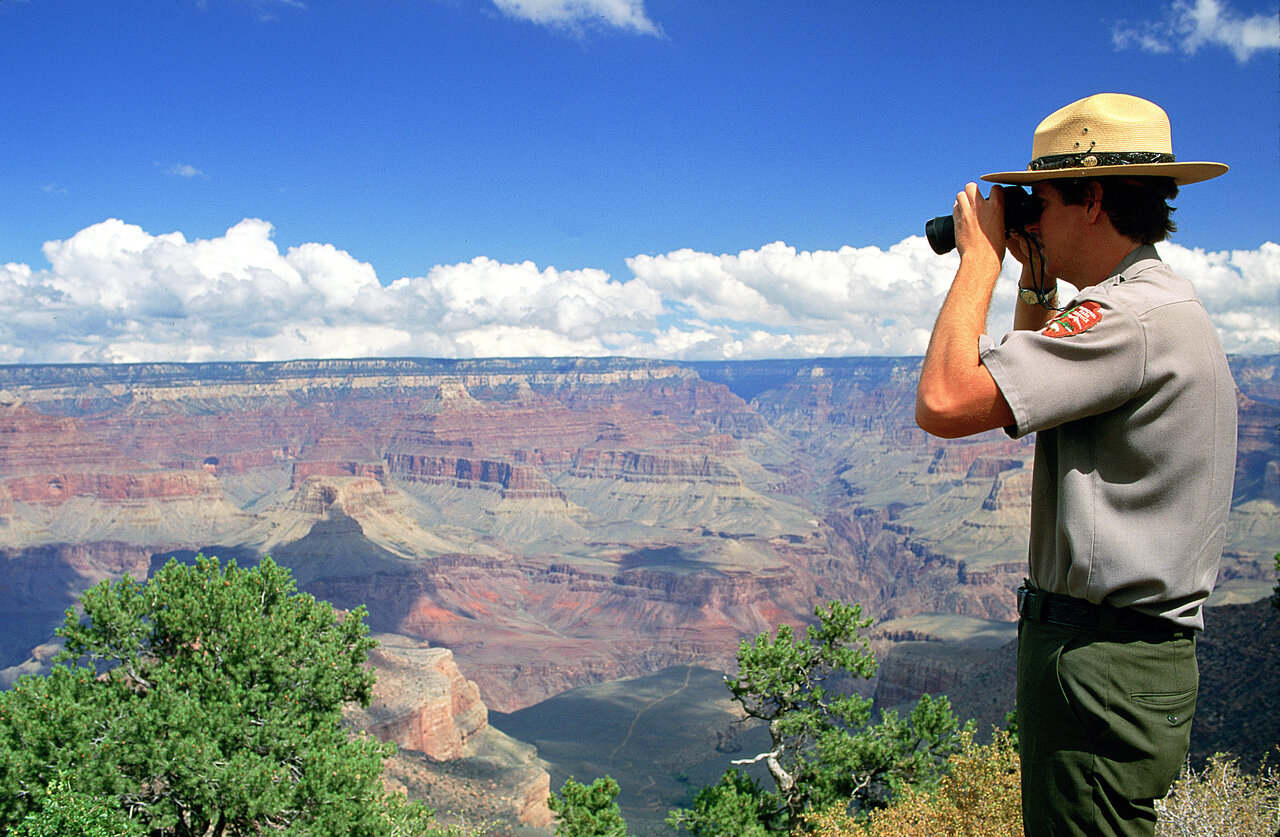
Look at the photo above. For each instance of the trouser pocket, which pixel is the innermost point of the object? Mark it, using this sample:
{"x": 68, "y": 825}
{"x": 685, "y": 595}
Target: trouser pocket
{"x": 1160, "y": 726}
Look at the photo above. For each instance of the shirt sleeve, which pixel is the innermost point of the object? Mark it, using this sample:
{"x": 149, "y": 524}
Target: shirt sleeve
{"x": 1088, "y": 360}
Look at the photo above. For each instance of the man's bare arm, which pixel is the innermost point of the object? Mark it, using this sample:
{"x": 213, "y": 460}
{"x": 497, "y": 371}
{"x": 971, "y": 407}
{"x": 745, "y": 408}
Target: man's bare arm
{"x": 956, "y": 395}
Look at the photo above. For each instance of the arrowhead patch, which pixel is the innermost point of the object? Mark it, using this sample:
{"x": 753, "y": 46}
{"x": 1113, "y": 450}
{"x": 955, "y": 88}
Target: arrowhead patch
{"x": 1078, "y": 320}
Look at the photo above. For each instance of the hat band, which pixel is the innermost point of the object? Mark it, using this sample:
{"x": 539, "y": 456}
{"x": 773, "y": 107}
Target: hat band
{"x": 1089, "y": 159}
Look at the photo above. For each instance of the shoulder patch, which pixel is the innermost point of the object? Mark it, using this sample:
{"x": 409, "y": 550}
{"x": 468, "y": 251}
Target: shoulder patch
{"x": 1076, "y": 320}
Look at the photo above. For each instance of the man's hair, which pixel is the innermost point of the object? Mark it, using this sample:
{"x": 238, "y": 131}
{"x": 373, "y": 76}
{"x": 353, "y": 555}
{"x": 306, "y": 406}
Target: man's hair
{"x": 1137, "y": 206}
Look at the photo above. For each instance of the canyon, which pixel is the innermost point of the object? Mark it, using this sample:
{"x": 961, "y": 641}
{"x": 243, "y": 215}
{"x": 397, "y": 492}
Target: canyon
{"x": 520, "y": 528}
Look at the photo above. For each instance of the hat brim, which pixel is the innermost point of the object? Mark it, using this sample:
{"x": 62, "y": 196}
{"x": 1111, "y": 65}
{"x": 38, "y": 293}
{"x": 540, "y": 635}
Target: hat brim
{"x": 1182, "y": 173}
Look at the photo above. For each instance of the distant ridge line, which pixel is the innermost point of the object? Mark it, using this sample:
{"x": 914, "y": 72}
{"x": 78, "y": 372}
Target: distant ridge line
{"x": 55, "y": 374}
{"x": 747, "y": 377}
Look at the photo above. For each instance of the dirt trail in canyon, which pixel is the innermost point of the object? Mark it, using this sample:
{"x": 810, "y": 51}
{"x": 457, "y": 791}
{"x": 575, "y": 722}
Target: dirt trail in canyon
{"x": 688, "y": 674}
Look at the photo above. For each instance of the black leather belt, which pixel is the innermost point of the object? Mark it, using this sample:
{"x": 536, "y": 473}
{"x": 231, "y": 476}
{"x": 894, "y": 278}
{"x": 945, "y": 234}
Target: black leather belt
{"x": 1069, "y": 612}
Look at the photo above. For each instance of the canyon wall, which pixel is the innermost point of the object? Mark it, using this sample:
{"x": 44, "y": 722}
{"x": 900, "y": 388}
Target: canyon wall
{"x": 547, "y": 523}
{"x": 435, "y": 716}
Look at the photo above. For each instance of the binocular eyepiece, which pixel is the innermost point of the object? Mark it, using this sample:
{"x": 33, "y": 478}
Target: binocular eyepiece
{"x": 1020, "y": 209}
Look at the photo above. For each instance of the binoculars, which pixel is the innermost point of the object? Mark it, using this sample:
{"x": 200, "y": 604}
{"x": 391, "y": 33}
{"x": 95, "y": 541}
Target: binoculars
{"x": 1020, "y": 209}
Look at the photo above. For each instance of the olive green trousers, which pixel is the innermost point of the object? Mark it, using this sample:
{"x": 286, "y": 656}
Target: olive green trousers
{"x": 1104, "y": 725}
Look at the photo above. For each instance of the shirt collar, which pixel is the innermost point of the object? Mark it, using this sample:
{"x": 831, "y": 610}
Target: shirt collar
{"x": 1140, "y": 253}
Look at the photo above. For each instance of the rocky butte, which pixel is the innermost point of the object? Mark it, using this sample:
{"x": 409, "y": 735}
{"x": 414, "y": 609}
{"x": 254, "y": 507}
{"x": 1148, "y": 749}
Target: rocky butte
{"x": 521, "y": 527}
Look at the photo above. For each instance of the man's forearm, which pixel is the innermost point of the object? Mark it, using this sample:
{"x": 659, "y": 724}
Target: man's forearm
{"x": 956, "y": 395}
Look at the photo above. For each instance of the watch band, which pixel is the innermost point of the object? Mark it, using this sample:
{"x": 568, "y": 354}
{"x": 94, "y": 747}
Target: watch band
{"x": 1031, "y": 297}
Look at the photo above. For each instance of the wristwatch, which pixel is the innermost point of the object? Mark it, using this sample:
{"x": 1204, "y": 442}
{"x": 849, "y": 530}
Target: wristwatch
{"x": 1032, "y": 297}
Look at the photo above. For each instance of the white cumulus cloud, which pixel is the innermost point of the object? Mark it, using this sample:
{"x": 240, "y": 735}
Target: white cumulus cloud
{"x": 1240, "y": 289}
{"x": 855, "y": 300}
{"x": 1189, "y": 26}
{"x": 628, "y": 15}
{"x": 114, "y": 292}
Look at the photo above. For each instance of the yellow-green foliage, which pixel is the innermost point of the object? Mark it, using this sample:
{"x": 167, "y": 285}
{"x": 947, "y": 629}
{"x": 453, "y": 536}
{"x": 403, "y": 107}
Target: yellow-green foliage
{"x": 1220, "y": 801}
{"x": 978, "y": 798}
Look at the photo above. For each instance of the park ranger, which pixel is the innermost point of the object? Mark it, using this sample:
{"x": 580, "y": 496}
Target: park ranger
{"x": 1128, "y": 391}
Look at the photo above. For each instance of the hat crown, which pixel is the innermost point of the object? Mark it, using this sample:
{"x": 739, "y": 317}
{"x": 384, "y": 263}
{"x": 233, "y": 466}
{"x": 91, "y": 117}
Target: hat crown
{"x": 1105, "y": 122}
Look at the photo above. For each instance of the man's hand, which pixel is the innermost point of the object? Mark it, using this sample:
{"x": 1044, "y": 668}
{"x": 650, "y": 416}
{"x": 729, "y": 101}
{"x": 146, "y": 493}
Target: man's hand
{"x": 1019, "y": 247}
{"x": 979, "y": 223}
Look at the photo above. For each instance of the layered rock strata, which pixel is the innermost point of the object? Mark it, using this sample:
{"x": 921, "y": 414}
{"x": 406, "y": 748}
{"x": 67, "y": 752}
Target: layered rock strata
{"x": 446, "y": 750}
{"x": 553, "y": 522}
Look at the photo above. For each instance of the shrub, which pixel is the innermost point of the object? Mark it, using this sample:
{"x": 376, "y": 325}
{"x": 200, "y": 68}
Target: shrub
{"x": 1220, "y": 801}
{"x": 979, "y": 797}
{"x": 206, "y": 700}
{"x": 64, "y": 812}
{"x": 588, "y": 810}
{"x": 735, "y": 807}
{"x": 825, "y": 750}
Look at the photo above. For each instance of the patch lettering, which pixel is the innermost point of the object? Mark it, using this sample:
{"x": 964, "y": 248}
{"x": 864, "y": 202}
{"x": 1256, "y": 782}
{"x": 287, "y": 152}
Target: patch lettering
{"x": 1077, "y": 320}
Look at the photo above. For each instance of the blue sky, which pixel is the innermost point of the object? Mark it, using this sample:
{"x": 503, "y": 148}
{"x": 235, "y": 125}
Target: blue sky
{"x": 264, "y": 179}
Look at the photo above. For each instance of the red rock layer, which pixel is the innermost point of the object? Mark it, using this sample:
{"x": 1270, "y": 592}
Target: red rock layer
{"x": 661, "y": 466}
{"x": 511, "y": 480}
{"x": 422, "y": 702}
{"x": 57, "y": 488}
{"x": 48, "y": 460}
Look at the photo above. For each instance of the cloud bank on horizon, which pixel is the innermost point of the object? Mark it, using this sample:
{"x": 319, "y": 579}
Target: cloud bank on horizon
{"x": 116, "y": 293}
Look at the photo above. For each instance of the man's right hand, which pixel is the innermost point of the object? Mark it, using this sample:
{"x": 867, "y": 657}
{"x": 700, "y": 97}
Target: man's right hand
{"x": 979, "y": 222}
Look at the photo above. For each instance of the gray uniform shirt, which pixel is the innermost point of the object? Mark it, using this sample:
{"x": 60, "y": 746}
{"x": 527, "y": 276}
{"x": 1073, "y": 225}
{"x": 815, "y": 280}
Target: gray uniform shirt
{"x": 1134, "y": 409}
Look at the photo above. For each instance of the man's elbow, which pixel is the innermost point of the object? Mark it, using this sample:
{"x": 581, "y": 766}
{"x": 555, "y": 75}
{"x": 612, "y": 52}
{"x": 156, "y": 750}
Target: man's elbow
{"x": 938, "y": 417}
{"x": 950, "y": 411}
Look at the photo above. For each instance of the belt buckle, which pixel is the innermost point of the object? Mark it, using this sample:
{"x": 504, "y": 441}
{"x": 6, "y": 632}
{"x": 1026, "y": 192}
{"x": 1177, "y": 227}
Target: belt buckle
{"x": 1030, "y": 603}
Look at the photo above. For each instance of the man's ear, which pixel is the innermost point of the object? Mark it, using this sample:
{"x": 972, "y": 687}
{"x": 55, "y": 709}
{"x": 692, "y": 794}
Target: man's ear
{"x": 1093, "y": 203}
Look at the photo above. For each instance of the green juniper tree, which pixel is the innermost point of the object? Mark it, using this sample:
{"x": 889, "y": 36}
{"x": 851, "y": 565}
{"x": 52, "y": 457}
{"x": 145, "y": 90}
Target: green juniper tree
{"x": 207, "y": 700}
{"x": 588, "y": 810}
{"x": 736, "y": 806}
{"x": 824, "y": 750}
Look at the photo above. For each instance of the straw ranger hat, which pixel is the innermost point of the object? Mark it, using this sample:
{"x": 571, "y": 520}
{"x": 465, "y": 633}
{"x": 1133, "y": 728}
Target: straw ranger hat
{"x": 1104, "y": 135}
